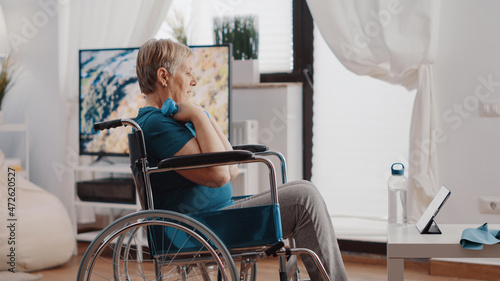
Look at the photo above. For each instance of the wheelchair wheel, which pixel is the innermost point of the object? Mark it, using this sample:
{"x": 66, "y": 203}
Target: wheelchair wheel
{"x": 157, "y": 245}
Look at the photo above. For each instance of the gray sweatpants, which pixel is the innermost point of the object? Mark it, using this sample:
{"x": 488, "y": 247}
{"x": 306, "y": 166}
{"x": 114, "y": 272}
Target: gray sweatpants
{"x": 304, "y": 216}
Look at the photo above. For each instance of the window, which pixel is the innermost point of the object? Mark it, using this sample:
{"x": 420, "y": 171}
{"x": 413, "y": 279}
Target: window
{"x": 274, "y": 21}
{"x": 361, "y": 126}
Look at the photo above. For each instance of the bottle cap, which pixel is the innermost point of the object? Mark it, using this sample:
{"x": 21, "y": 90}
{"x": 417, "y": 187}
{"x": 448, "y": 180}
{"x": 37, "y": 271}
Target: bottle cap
{"x": 400, "y": 171}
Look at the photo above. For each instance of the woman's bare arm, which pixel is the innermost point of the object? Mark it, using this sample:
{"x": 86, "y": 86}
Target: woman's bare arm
{"x": 233, "y": 169}
{"x": 207, "y": 140}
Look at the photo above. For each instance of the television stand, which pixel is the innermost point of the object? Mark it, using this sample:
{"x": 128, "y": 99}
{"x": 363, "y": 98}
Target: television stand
{"x": 91, "y": 179}
{"x": 102, "y": 159}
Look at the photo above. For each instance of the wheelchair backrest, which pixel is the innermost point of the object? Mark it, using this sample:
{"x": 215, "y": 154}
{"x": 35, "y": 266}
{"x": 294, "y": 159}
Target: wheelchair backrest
{"x": 138, "y": 162}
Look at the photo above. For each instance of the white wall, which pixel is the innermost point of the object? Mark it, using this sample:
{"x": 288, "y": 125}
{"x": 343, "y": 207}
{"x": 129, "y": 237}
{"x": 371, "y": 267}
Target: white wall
{"x": 36, "y": 91}
{"x": 469, "y": 45}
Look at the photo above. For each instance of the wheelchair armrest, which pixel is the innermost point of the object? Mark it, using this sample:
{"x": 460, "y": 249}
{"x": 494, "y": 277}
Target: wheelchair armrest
{"x": 263, "y": 150}
{"x": 251, "y": 147}
{"x": 206, "y": 159}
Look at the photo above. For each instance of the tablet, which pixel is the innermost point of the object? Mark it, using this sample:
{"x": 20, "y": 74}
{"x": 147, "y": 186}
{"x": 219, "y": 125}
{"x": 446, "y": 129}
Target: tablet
{"x": 426, "y": 224}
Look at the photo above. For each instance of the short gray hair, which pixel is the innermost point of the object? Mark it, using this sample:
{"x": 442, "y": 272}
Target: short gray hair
{"x": 155, "y": 54}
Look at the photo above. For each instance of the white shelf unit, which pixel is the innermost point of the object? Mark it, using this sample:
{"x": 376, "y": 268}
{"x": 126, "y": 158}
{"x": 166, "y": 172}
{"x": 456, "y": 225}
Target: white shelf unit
{"x": 19, "y": 128}
{"x": 96, "y": 171}
{"x": 91, "y": 173}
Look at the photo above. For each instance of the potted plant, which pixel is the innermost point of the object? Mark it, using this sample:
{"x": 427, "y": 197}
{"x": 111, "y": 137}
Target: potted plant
{"x": 6, "y": 81}
{"x": 178, "y": 27}
{"x": 242, "y": 33}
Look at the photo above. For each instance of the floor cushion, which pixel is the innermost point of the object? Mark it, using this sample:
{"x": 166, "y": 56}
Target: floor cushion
{"x": 41, "y": 236}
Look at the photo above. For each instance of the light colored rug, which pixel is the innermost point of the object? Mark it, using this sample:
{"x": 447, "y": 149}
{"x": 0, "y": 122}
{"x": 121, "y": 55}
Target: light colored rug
{"x": 19, "y": 276}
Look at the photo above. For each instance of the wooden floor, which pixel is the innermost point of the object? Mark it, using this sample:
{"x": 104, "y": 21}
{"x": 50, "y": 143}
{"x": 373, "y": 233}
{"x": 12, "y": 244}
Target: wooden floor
{"x": 371, "y": 268}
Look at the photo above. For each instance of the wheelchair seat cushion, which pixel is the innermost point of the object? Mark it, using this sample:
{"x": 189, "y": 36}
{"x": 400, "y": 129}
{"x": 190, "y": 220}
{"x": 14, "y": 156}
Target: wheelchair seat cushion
{"x": 237, "y": 228}
{"x": 244, "y": 227}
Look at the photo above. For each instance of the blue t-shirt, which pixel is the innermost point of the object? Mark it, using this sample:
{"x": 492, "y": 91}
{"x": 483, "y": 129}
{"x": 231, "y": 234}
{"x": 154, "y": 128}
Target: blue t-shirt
{"x": 164, "y": 137}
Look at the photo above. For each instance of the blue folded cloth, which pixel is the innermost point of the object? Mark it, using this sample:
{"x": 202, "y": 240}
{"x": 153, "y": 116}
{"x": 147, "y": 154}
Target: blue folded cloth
{"x": 475, "y": 238}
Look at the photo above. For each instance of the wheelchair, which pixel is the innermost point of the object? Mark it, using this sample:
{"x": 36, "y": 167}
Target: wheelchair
{"x": 154, "y": 244}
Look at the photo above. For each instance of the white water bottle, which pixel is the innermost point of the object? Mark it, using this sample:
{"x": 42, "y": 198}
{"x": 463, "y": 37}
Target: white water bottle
{"x": 398, "y": 187}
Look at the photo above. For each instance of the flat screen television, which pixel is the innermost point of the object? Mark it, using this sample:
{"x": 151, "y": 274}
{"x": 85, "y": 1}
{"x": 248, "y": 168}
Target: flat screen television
{"x": 109, "y": 90}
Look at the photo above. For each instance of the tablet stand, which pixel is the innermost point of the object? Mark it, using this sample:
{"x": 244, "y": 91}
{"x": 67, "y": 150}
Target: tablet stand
{"x": 426, "y": 223}
{"x": 431, "y": 228}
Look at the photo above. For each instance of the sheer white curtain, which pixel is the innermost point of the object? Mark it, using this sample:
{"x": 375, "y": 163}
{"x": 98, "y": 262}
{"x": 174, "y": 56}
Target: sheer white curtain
{"x": 394, "y": 41}
{"x": 96, "y": 24}
{"x": 103, "y": 24}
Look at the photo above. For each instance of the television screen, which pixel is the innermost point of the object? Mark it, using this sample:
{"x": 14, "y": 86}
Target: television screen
{"x": 109, "y": 90}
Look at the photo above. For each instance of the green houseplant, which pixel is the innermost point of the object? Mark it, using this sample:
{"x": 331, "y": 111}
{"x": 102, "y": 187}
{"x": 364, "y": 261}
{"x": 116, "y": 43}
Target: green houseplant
{"x": 178, "y": 27}
{"x": 242, "y": 32}
{"x": 6, "y": 79}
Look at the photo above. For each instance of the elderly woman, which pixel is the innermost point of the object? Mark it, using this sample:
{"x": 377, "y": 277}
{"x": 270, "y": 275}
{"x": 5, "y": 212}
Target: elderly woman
{"x": 164, "y": 70}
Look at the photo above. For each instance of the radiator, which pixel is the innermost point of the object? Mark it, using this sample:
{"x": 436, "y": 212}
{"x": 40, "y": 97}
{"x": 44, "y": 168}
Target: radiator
{"x": 244, "y": 132}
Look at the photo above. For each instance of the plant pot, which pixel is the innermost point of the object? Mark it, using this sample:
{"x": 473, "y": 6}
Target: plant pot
{"x": 246, "y": 72}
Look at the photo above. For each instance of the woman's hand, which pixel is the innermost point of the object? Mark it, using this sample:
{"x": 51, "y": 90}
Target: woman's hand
{"x": 188, "y": 111}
